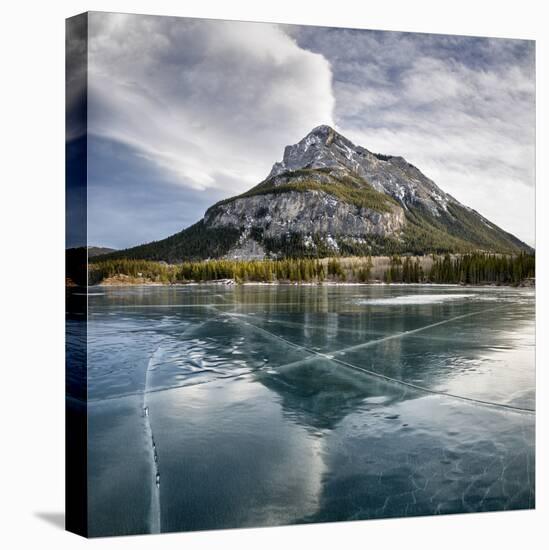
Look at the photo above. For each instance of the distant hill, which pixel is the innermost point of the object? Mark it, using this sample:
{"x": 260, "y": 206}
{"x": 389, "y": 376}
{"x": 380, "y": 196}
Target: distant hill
{"x": 330, "y": 197}
{"x": 94, "y": 251}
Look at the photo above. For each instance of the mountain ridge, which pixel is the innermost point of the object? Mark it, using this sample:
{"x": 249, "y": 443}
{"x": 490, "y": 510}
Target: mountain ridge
{"x": 328, "y": 196}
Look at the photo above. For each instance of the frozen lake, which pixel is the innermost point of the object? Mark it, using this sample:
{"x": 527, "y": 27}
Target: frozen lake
{"x": 217, "y": 407}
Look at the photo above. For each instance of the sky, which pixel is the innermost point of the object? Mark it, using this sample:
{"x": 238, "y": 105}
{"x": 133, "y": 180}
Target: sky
{"x": 184, "y": 112}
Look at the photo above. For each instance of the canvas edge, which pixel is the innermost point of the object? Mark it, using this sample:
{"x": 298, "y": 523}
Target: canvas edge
{"x": 76, "y": 460}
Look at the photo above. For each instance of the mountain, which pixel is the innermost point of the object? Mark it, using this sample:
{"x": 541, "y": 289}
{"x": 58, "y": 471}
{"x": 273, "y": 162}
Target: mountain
{"x": 94, "y": 251}
{"x": 328, "y": 196}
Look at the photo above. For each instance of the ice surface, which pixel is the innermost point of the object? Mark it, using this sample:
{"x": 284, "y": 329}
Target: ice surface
{"x": 414, "y": 299}
{"x": 241, "y": 406}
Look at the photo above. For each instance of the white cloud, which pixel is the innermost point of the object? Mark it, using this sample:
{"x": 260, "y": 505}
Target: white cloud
{"x": 209, "y": 101}
{"x": 470, "y": 129}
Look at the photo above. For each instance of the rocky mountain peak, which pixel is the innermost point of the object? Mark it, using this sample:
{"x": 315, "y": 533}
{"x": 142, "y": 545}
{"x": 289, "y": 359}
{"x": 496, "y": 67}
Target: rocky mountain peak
{"x": 322, "y": 147}
{"x": 323, "y": 131}
{"x": 326, "y": 149}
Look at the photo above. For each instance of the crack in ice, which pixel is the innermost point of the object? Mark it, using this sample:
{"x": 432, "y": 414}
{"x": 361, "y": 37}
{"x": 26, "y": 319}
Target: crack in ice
{"x": 331, "y": 357}
{"x": 154, "y": 508}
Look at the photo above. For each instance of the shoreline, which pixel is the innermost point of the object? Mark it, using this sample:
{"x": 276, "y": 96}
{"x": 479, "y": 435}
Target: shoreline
{"x": 232, "y": 283}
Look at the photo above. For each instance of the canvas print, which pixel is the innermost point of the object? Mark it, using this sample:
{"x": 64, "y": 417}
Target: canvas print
{"x": 300, "y": 274}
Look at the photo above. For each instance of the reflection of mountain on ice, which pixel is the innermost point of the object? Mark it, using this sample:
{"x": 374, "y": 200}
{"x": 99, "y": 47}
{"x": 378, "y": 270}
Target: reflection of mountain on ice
{"x": 319, "y": 394}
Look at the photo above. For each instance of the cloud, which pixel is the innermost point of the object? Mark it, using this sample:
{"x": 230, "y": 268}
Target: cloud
{"x": 462, "y": 109}
{"x": 207, "y": 101}
{"x": 208, "y": 106}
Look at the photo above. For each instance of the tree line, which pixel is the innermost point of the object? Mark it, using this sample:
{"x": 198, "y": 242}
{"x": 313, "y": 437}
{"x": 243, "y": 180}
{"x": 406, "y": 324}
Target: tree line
{"x": 303, "y": 270}
{"x": 483, "y": 268}
{"x": 465, "y": 269}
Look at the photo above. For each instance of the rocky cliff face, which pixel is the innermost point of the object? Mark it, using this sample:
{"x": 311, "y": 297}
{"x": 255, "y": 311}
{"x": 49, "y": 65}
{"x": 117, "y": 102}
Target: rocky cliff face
{"x": 328, "y": 196}
{"x": 305, "y": 213}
